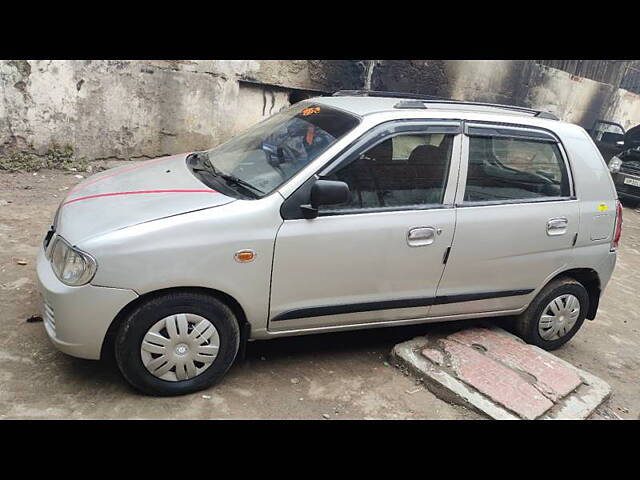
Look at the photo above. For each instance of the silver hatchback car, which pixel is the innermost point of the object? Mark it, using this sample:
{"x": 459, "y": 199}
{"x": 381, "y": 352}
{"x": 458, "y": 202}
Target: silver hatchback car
{"x": 353, "y": 211}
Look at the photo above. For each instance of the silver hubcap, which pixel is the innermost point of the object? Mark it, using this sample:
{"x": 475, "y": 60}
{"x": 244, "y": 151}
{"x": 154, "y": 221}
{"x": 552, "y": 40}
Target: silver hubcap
{"x": 180, "y": 347}
{"x": 559, "y": 317}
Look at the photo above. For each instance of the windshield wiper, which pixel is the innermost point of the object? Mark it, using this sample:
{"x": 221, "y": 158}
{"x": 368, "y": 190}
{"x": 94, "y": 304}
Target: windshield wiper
{"x": 203, "y": 159}
{"x": 207, "y": 166}
{"x": 238, "y": 181}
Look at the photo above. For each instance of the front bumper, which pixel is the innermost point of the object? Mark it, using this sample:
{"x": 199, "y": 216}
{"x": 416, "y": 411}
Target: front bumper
{"x": 77, "y": 318}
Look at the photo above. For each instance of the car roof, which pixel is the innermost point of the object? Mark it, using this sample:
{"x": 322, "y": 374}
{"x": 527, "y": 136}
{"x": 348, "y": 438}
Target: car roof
{"x": 445, "y": 109}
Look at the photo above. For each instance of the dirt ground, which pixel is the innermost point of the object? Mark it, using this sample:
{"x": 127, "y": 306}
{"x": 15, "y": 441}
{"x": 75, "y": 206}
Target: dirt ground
{"x": 334, "y": 376}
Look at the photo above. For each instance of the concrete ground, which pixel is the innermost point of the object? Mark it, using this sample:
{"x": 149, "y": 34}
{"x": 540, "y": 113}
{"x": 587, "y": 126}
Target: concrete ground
{"x": 334, "y": 376}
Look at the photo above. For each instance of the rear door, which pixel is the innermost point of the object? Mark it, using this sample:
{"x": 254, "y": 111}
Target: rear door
{"x": 380, "y": 256}
{"x": 517, "y": 220}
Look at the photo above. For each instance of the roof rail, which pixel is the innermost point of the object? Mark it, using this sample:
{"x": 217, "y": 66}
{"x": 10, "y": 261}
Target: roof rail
{"x": 547, "y": 115}
{"x": 379, "y": 93}
{"x": 420, "y": 101}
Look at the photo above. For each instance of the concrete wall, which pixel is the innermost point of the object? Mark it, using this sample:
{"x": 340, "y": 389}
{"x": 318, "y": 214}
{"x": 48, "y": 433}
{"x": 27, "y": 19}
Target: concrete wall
{"x": 624, "y": 108}
{"x": 515, "y": 82}
{"x": 144, "y": 109}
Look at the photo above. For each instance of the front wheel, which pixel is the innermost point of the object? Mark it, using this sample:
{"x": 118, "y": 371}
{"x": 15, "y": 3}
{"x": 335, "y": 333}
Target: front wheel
{"x": 555, "y": 315}
{"x": 177, "y": 343}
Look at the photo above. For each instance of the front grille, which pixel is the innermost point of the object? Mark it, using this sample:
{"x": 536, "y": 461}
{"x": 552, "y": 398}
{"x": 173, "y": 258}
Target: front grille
{"x": 630, "y": 166}
{"x": 630, "y": 170}
{"x": 49, "y": 318}
{"x": 628, "y": 189}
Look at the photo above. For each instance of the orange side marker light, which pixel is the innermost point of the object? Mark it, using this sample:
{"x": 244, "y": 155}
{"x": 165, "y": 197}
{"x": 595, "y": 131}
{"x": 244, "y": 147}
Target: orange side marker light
{"x": 244, "y": 256}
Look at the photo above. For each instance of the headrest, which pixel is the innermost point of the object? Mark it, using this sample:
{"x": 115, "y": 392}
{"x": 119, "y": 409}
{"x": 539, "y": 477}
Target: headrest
{"x": 426, "y": 154}
{"x": 383, "y": 152}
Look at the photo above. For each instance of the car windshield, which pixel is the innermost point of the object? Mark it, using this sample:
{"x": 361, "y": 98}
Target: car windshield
{"x": 273, "y": 151}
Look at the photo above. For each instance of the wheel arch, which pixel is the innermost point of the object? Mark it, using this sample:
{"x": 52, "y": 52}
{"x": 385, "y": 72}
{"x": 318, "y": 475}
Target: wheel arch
{"x": 590, "y": 280}
{"x": 106, "y": 350}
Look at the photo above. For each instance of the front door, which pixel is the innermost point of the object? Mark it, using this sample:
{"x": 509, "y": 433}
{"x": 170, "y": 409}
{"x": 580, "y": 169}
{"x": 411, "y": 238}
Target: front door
{"x": 378, "y": 257}
{"x": 517, "y": 220}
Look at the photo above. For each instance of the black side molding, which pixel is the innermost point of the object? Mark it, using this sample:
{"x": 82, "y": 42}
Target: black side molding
{"x": 470, "y": 297}
{"x": 353, "y": 308}
{"x": 446, "y": 255}
{"x": 392, "y": 304}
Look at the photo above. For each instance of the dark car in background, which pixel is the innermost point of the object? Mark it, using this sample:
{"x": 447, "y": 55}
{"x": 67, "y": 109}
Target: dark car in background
{"x": 625, "y": 166}
{"x": 609, "y": 137}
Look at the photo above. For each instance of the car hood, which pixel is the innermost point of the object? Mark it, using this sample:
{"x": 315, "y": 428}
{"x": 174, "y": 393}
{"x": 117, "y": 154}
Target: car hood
{"x": 133, "y": 194}
{"x": 632, "y": 137}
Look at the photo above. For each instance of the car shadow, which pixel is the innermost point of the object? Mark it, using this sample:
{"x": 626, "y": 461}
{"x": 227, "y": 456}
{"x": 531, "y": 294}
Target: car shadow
{"x": 355, "y": 341}
{"x": 105, "y": 374}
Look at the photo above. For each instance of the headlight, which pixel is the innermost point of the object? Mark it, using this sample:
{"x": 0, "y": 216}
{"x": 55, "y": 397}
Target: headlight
{"x": 614, "y": 164}
{"x": 72, "y": 266}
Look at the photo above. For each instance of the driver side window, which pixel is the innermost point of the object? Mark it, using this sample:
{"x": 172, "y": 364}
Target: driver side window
{"x": 401, "y": 171}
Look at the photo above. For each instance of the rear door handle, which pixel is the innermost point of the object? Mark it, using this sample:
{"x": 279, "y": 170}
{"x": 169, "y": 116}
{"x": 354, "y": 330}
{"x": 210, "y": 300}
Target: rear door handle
{"x": 557, "y": 226}
{"x": 421, "y": 236}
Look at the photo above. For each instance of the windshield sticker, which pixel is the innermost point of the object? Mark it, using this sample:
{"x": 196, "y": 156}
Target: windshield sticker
{"x": 310, "y": 111}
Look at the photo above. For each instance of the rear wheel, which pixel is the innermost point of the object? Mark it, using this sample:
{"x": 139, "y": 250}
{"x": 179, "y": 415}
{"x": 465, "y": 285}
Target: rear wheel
{"x": 555, "y": 315}
{"x": 177, "y": 343}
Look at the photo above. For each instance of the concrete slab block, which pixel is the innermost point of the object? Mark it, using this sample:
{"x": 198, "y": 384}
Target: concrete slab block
{"x": 551, "y": 377}
{"x": 495, "y": 373}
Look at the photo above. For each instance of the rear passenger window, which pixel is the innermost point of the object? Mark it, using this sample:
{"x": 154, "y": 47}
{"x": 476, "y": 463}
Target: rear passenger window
{"x": 514, "y": 169}
{"x": 404, "y": 170}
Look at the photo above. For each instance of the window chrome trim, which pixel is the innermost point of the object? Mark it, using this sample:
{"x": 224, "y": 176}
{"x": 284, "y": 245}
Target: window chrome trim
{"x": 526, "y": 201}
{"x": 406, "y": 208}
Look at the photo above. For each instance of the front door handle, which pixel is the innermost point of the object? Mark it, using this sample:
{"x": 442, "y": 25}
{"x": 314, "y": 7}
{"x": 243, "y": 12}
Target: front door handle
{"x": 421, "y": 236}
{"x": 557, "y": 226}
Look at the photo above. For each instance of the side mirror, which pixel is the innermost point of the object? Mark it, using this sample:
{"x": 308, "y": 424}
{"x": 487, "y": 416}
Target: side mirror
{"x": 325, "y": 192}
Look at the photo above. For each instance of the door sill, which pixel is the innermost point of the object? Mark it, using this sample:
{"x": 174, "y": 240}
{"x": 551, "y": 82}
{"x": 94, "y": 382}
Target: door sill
{"x": 391, "y": 323}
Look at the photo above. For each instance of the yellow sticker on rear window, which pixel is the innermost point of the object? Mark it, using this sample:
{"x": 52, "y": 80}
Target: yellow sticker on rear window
{"x": 310, "y": 111}
{"x": 603, "y": 207}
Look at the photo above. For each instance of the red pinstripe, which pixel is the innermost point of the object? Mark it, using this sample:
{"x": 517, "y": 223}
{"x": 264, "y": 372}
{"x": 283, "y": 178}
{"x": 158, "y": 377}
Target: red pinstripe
{"x": 114, "y": 174}
{"x": 136, "y": 192}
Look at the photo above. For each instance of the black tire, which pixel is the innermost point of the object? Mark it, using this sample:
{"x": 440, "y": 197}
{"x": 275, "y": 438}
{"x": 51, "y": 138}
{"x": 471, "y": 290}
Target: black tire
{"x": 138, "y": 322}
{"x": 526, "y": 324}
